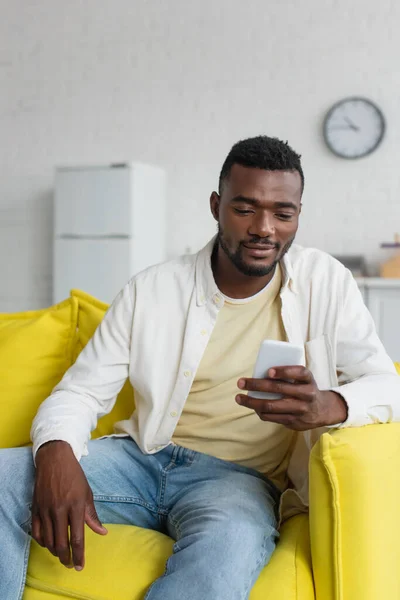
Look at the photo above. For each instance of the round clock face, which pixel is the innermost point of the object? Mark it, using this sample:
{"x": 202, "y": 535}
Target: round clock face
{"x": 354, "y": 128}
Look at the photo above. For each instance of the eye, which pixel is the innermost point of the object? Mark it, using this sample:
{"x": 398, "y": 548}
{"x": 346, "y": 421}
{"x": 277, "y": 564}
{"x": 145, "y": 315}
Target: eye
{"x": 243, "y": 211}
{"x": 284, "y": 216}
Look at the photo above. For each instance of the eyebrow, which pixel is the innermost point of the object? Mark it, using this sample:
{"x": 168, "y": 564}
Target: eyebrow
{"x": 257, "y": 203}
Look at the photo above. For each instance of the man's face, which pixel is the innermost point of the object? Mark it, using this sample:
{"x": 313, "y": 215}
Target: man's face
{"x": 257, "y": 214}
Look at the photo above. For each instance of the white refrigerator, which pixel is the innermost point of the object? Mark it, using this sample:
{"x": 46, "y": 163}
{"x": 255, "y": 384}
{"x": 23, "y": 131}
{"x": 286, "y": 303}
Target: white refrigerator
{"x": 110, "y": 223}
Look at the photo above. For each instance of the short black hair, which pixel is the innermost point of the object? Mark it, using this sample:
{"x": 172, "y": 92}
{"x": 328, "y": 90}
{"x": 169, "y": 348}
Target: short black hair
{"x": 262, "y": 152}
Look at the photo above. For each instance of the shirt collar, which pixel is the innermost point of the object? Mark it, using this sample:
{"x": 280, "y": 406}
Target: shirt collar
{"x": 205, "y": 282}
{"x": 206, "y": 287}
{"x": 288, "y": 280}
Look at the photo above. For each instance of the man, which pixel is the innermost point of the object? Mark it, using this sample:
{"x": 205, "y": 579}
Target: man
{"x": 200, "y": 459}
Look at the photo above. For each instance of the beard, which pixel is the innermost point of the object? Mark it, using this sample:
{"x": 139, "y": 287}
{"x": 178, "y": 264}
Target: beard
{"x": 251, "y": 270}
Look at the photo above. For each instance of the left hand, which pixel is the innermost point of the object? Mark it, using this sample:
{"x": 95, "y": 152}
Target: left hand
{"x": 303, "y": 406}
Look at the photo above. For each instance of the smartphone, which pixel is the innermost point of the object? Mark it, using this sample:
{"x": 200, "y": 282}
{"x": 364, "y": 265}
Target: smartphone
{"x": 275, "y": 354}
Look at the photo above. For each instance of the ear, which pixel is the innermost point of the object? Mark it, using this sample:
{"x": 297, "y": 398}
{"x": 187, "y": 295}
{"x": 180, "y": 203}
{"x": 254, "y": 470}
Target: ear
{"x": 301, "y": 206}
{"x": 215, "y": 200}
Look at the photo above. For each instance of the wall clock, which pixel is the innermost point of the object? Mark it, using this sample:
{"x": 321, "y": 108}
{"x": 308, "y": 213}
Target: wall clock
{"x": 354, "y": 127}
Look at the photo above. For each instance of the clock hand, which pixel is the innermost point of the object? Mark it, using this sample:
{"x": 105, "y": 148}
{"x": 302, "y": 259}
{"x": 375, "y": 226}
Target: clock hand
{"x": 351, "y": 124}
{"x": 342, "y": 127}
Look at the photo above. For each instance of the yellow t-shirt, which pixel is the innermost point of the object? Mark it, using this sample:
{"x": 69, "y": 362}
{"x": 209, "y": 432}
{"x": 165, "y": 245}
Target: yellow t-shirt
{"x": 211, "y": 421}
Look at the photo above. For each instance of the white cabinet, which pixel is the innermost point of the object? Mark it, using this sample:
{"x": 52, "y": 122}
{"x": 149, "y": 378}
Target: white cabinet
{"x": 94, "y": 201}
{"x": 100, "y": 267}
{"x": 110, "y": 223}
{"x": 382, "y": 297}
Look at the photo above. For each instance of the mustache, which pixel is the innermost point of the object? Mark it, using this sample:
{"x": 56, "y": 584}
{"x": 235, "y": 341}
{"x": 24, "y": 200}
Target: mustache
{"x": 261, "y": 242}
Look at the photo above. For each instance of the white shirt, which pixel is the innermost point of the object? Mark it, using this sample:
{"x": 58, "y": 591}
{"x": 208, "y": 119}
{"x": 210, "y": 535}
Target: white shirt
{"x": 157, "y": 329}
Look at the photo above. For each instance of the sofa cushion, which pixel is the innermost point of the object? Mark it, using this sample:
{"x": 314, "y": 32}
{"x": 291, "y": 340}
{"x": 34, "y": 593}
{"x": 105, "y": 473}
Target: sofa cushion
{"x": 354, "y": 507}
{"x": 35, "y": 351}
{"x": 124, "y": 563}
{"x": 90, "y": 314}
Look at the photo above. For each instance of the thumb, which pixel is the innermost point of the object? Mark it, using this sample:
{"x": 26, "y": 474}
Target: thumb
{"x": 93, "y": 521}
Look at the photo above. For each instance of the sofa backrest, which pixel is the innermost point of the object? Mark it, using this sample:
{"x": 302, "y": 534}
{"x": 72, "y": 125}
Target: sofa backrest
{"x": 36, "y": 348}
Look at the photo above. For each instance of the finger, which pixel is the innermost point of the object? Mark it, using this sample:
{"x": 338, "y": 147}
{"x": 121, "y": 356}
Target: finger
{"x": 37, "y": 533}
{"x": 77, "y": 539}
{"x": 296, "y": 373}
{"x": 292, "y": 390}
{"x": 48, "y": 534}
{"x": 284, "y": 406}
{"x": 290, "y": 421}
{"x": 61, "y": 538}
{"x": 93, "y": 521}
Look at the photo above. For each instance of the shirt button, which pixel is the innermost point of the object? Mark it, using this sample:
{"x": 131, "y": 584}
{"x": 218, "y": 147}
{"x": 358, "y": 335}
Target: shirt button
{"x": 187, "y": 373}
{"x": 217, "y": 300}
{"x": 173, "y": 413}
{"x": 204, "y": 332}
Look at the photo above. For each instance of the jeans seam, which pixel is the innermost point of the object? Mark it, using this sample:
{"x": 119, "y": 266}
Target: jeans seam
{"x": 170, "y": 465}
{"x": 161, "y": 492}
{"x": 127, "y": 500}
{"x": 25, "y": 571}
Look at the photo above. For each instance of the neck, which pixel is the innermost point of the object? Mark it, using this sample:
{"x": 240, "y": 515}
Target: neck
{"x": 231, "y": 281}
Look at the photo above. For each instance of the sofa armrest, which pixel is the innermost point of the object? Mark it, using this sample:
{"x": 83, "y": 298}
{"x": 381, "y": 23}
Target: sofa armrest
{"x": 355, "y": 513}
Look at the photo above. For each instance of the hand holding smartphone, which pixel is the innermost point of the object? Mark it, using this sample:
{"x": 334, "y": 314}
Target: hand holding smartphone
{"x": 275, "y": 354}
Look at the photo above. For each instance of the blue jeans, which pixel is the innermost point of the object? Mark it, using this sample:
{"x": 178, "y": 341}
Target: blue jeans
{"x": 221, "y": 515}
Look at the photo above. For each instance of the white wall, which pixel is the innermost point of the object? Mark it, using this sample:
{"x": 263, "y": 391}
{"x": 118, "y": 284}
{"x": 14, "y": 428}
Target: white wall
{"x": 177, "y": 83}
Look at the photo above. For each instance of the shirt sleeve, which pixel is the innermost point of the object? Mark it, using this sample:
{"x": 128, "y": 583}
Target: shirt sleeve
{"x": 368, "y": 380}
{"x": 90, "y": 387}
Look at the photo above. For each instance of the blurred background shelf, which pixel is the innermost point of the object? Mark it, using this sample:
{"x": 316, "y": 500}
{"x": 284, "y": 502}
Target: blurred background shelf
{"x": 382, "y": 297}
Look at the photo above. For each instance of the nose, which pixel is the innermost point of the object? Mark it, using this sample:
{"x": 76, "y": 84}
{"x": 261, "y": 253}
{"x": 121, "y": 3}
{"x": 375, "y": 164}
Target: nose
{"x": 262, "y": 225}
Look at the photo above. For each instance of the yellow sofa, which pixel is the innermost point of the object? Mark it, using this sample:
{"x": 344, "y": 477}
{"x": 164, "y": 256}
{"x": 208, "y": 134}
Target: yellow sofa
{"x": 347, "y": 549}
